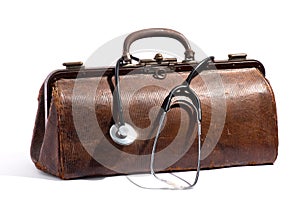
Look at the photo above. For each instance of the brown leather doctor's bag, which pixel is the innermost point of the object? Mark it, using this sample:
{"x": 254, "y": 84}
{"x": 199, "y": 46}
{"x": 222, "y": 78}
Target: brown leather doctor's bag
{"x": 187, "y": 115}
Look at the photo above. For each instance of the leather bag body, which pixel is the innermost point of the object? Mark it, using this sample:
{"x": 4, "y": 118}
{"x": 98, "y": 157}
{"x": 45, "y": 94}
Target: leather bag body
{"x": 71, "y": 137}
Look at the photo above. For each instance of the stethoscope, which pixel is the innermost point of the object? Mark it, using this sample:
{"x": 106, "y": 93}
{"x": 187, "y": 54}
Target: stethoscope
{"x": 124, "y": 134}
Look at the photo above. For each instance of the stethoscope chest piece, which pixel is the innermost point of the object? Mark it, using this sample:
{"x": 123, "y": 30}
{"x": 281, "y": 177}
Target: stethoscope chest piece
{"x": 123, "y": 135}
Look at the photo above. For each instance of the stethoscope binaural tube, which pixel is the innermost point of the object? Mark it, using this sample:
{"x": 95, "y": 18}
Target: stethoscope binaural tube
{"x": 182, "y": 90}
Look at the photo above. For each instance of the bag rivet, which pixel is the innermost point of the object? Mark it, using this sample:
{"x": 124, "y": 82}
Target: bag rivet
{"x": 159, "y": 58}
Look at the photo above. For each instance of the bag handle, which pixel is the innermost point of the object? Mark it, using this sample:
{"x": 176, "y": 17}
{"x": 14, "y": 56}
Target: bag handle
{"x": 157, "y": 32}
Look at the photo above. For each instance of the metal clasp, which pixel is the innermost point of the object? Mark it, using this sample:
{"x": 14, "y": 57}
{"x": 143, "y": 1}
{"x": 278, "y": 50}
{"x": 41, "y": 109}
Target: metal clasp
{"x": 158, "y": 60}
{"x": 159, "y": 66}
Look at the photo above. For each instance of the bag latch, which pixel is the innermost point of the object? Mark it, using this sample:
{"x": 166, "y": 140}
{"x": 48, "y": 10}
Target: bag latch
{"x": 159, "y": 66}
{"x": 158, "y": 60}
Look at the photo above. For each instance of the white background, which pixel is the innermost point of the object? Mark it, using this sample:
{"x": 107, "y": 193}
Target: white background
{"x": 37, "y": 36}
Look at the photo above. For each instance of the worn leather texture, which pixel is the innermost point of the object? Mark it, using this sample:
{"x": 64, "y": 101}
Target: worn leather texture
{"x": 239, "y": 124}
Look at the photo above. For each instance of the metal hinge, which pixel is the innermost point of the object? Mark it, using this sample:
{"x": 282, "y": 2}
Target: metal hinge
{"x": 237, "y": 57}
{"x": 73, "y": 65}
